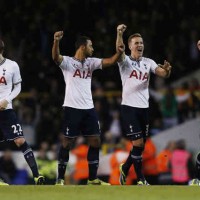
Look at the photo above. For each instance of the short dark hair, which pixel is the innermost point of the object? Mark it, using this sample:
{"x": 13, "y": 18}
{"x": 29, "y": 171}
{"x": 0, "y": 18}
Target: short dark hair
{"x": 134, "y": 35}
{"x": 81, "y": 40}
{"x": 1, "y": 46}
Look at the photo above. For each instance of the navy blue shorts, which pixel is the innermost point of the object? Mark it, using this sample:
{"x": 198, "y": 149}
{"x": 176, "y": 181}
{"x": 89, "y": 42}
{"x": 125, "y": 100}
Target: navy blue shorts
{"x": 135, "y": 122}
{"x": 10, "y": 128}
{"x": 83, "y": 122}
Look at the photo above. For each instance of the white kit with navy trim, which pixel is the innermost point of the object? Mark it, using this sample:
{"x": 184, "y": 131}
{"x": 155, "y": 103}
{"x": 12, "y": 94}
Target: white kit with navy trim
{"x": 135, "y": 77}
{"x": 78, "y": 75}
{"x": 9, "y": 76}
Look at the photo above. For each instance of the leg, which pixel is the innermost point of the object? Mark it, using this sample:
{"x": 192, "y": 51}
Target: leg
{"x": 135, "y": 158}
{"x": 63, "y": 158}
{"x": 30, "y": 159}
{"x": 92, "y": 132}
{"x": 93, "y": 161}
{"x": 135, "y": 123}
{"x": 28, "y": 155}
{"x": 71, "y": 129}
{"x": 93, "y": 156}
{"x": 12, "y": 131}
{"x": 136, "y": 154}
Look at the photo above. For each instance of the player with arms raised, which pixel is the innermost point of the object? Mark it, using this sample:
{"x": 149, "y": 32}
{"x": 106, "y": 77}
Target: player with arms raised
{"x": 135, "y": 74}
{"x": 79, "y": 113}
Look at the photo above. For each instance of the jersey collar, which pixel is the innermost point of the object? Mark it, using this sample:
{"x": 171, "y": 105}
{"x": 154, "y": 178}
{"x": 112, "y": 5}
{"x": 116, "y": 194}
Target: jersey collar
{"x": 3, "y": 61}
{"x": 135, "y": 59}
{"x": 81, "y": 61}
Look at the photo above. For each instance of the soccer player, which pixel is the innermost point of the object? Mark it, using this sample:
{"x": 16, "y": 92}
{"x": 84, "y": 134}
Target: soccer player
{"x": 79, "y": 113}
{"x": 10, "y": 128}
{"x": 135, "y": 73}
{"x": 196, "y": 181}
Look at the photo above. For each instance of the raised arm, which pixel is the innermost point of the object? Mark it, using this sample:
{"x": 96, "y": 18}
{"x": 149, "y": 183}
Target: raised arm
{"x": 119, "y": 41}
{"x": 120, "y": 48}
{"x": 57, "y": 58}
{"x": 164, "y": 70}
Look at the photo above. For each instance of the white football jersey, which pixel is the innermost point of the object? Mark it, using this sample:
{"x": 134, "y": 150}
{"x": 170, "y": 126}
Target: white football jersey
{"x": 78, "y": 77}
{"x": 9, "y": 76}
{"x": 135, "y": 77}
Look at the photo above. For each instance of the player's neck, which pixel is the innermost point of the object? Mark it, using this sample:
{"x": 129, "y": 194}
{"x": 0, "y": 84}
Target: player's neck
{"x": 1, "y": 58}
{"x": 80, "y": 56}
{"x": 136, "y": 58}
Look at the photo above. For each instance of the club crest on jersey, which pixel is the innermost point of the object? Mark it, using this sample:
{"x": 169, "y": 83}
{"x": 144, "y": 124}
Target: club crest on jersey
{"x": 3, "y": 80}
{"x": 139, "y": 75}
{"x": 82, "y": 74}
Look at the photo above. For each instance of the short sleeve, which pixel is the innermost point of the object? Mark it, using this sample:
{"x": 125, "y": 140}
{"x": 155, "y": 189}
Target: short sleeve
{"x": 64, "y": 63}
{"x": 16, "y": 76}
{"x": 96, "y": 63}
{"x": 153, "y": 66}
{"x": 123, "y": 62}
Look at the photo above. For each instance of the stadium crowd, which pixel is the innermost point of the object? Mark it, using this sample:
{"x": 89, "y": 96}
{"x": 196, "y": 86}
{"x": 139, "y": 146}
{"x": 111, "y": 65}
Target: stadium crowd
{"x": 28, "y": 34}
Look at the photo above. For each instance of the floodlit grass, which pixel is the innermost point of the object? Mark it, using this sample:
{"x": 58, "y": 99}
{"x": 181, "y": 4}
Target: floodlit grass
{"x": 99, "y": 192}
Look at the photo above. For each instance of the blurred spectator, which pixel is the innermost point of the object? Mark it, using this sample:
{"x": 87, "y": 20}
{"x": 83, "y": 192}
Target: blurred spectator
{"x": 169, "y": 108}
{"x": 119, "y": 156}
{"x": 183, "y": 98}
{"x": 156, "y": 127}
{"x": 194, "y": 85}
{"x": 115, "y": 126}
{"x": 108, "y": 143}
{"x": 182, "y": 165}
{"x": 46, "y": 166}
{"x": 149, "y": 165}
{"x": 194, "y": 101}
{"x": 29, "y": 121}
{"x": 80, "y": 173}
{"x": 46, "y": 129}
{"x": 8, "y": 169}
{"x": 163, "y": 164}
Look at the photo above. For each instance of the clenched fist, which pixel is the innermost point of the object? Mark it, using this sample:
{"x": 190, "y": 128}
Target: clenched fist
{"x": 121, "y": 28}
{"x": 3, "y": 104}
{"x": 58, "y": 35}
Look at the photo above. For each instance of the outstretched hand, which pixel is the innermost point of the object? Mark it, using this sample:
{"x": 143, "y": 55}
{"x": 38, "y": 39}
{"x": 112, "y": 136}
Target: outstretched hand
{"x": 121, "y": 28}
{"x": 58, "y": 35}
{"x": 167, "y": 66}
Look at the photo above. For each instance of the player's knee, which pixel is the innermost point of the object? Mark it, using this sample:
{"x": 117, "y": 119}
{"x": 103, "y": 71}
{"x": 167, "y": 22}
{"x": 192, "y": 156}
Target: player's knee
{"x": 137, "y": 151}
{"x": 63, "y": 154}
{"x": 93, "y": 154}
{"x": 67, "y": 143}
{"x": 138, "y": 143}
{"x": 94, "y": 142}
{"x": 19, "y": 141}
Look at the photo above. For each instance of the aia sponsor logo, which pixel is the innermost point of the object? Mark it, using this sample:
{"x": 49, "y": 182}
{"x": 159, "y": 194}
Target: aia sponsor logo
{"x": 139, "y": 75}
{"x": 3, "y": 80}
{"x": 82, "y": 74}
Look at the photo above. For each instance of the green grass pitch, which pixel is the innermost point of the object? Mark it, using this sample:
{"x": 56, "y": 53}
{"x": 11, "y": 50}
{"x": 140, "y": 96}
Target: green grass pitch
{"x": 99, "y": 192}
